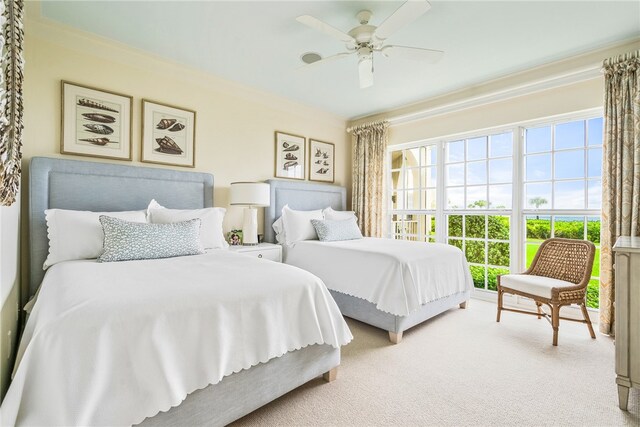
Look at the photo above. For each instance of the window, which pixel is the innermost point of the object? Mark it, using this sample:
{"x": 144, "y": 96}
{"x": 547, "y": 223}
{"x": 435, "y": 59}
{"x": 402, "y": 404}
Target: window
{"x": 478, "y": 172}
{"x": 484, "y": 239}
{"x": 413, "y": 193}
{"x": 562, "y": 187}
{"x": 498, "y": 195}
{"x": 478, "y": 177}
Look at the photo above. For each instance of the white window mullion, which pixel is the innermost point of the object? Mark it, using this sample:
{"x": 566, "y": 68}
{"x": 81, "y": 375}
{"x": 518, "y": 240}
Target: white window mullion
{"x": 441, "y": 199}
{"x": 518, "y": 229}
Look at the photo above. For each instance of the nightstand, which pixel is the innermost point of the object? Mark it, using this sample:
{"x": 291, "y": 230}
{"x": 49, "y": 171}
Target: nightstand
{"x": 263, "y": 250}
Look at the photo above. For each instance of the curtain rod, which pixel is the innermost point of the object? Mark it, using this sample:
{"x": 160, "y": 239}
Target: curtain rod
{"x": 621, "y": 58}
{"x": 365, "y": 125}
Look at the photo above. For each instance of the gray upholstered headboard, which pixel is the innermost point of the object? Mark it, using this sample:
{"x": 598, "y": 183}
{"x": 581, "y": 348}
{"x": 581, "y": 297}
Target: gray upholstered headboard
{"x": 303, "y": 196}
{"x": 90, "y": 186}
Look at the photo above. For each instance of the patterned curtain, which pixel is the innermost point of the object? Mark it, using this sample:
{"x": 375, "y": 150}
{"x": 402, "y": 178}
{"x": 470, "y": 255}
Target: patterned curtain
{"x": 11, "y": 76}
{"x": 369, "y": 150}
{"x": 621, "y": 171}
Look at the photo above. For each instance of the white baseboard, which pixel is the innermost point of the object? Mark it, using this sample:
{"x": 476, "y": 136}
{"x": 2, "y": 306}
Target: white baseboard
{"x": 522, "y": 303}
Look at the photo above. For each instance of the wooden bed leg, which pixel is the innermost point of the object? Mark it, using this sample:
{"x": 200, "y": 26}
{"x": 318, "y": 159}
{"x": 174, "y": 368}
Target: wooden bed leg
{"x": 331, "y": 375}
{"x": 395, "y": 337}
{"x": 463, "y": 304}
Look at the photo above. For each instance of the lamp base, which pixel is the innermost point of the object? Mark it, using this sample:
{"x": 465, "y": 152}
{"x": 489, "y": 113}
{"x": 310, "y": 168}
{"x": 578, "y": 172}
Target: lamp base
{"x": 250, "y": 227}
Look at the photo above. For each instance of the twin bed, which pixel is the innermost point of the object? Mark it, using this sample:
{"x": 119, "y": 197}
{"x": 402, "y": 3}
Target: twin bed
{"x": 196, "y": 340}
{"x": 391, "y": 284}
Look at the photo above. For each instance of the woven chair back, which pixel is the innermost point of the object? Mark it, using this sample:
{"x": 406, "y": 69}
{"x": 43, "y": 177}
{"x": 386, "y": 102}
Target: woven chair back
{"x": 563, "y": 259}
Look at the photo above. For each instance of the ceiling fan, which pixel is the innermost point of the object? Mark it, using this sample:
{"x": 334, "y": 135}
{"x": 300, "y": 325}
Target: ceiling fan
{"x": 364, "y": 40}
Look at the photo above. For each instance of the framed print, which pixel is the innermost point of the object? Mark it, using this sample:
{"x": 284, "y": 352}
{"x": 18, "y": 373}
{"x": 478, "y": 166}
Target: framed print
{"x": 235, "y": 238}
{"x": 321, "y": 161}
{"x": 95, "y": 122}
{"x": 290, "y": 156}
{"x": 168, "y": 135}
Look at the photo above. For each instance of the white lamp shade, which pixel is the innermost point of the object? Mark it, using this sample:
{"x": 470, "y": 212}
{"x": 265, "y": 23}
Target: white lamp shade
{"x": 250, "y": 194}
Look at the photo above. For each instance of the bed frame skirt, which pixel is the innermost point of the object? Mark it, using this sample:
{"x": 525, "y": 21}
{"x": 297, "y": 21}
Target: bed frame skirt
{"x": 365, "y": 311}
{"x": 243, "y": 392}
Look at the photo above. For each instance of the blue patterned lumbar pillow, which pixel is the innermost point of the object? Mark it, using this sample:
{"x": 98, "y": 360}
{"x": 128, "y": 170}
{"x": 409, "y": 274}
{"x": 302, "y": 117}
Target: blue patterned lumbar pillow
{"x": 124, "y": 240}
{"x": 334, "y": 230}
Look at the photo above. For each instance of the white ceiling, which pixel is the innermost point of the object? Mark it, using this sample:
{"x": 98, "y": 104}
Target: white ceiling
{"x": 259, "y": 43}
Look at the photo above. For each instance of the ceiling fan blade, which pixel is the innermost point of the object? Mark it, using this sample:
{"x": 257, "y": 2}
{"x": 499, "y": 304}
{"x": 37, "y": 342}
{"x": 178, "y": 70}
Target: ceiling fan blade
{"x": 327, "y": 59}
{"x": 365, "y": 72}
{"x": 408, "y": 12}
{"x": 323, "y": 27}
{"x": 413, "y": 53}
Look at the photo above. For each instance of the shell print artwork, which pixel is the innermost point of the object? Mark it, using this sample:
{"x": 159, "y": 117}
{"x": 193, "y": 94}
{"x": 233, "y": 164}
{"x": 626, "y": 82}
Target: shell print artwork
{"x": 288, "y": 165}
{"x": 101, "y": 129}
{"x": 84, "y": 102}
{"x": 168, "y": 146}
{"x": 98, "y": 117}
{"x": 288, "y": 147}
{"x": 177, "y": 127}
{"x": 165, "y": 123}
{"x": 290, "y": 156}
{"x": 98, "y": 141}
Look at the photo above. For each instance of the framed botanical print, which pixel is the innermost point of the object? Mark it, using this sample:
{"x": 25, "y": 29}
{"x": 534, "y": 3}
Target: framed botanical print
{"x": 168, "y": 134}
{"x": 321, "y": 161}
{"x": 290, "y": 156}
{"x": 95, "y": 122}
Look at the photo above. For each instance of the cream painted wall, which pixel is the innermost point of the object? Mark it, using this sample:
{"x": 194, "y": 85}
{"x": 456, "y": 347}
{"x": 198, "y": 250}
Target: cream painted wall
{"x": 235, "y": 124}
{"x": 9, "y": 289}
{"x": 572, "y": 98}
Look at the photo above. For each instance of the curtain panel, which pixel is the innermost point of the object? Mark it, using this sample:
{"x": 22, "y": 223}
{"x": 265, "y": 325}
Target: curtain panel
{"x": 621, "y": 171}
{"x": 11, "y": 77}
{"x": 369, "y": 151}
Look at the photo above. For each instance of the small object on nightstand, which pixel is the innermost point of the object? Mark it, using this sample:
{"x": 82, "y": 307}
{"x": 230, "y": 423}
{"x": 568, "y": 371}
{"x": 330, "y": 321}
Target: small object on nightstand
{"x": 263, "y": 251}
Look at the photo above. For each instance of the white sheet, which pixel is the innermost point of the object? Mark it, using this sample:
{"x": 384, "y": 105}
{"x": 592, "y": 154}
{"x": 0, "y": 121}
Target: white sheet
{"x": 398, "y": 276}
{"x": 113, "y": 343}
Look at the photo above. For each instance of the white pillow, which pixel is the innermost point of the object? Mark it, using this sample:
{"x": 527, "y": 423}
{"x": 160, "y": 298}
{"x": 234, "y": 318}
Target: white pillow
{"x": 297, "y": 224}
{"x": 153, "y": 205}
{"x": 333, "y": 215}
{"x": 211, "y": 235}
{"x": 78, "y": 234}
{"x": 278, "y": 227}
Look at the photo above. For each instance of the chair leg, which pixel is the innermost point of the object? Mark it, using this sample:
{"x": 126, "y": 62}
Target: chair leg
{"x": 500, "y": 292}
{"x": 539, "y": 305}
{"x": 555, "y": 322}
{"x": 585, "y": 313}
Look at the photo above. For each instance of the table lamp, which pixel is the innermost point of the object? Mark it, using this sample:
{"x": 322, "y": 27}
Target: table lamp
{"x": 251, "y": 195}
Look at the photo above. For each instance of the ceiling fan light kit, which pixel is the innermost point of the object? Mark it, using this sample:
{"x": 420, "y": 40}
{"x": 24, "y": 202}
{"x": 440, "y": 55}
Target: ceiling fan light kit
{"x": 365, "y": 39}
{"x": 310, "y": 57}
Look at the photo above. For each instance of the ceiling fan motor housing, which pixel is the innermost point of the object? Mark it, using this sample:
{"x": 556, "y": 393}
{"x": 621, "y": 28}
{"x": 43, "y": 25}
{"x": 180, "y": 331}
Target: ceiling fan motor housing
{"x": 363, "y": 33}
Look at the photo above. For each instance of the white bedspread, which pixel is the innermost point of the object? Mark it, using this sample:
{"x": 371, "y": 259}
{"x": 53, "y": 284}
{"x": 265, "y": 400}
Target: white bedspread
{"x": 396, "y": 275}
{"x": 113, "y": 343}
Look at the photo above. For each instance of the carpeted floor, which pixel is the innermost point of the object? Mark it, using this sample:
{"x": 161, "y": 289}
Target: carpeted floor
{"x": 463, "y": 368}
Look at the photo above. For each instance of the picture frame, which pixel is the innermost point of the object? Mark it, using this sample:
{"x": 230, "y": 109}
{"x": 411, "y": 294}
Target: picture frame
{"x": 234, "y": 238}
{"x": 95, "y": 122}
{"x": 290, "y": 156}
{"x": 168, "y": 134}
{"x": 321, "y": 161}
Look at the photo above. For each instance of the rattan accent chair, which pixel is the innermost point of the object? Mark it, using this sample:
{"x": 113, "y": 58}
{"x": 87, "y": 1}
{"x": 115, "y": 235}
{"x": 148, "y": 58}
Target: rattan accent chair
{"x": 558, "y": 276}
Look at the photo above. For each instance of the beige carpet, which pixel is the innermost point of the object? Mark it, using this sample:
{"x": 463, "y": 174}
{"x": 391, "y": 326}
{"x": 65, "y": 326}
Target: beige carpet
{"x": 463, "y": 368}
